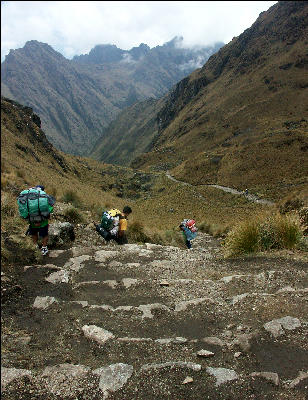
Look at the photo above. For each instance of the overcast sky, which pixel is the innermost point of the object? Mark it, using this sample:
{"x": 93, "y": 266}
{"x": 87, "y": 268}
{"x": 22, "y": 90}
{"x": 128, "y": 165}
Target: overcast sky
{"x": 75, "y": 27}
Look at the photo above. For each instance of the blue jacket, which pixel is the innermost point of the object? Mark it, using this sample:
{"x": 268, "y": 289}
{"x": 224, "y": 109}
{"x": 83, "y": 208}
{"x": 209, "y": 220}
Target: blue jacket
{"x": 189, "y": 234}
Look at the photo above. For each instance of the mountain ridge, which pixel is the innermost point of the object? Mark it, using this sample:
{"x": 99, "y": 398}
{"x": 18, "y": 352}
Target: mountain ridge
{"x": 78, "y": 99}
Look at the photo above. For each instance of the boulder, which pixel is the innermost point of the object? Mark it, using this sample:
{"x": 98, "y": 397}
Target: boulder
{"x": 60, "y": 233}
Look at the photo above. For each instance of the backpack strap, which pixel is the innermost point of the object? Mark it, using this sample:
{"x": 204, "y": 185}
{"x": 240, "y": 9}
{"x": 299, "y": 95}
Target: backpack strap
{"x": 28, "y": 205}
{"x": 38, "y": 203}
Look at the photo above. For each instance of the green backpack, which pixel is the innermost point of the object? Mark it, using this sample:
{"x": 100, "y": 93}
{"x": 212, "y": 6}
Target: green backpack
{"x": 108, "y": 217}
{"x": 35, "y": 205}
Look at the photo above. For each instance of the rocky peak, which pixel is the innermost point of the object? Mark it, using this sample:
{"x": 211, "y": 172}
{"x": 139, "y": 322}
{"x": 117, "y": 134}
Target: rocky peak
{"x": 141, "y": 51}
{"x": 100, "y": 54}
{"x": 177, "y": 41}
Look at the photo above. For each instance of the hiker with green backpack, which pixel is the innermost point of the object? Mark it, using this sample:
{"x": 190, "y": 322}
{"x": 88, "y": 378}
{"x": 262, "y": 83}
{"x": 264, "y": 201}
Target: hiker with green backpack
{"x": 35, "y": 205}
{"x": 114, "y": 225}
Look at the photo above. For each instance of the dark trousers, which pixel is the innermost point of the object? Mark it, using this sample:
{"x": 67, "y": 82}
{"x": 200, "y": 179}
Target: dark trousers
{"x": 188, "y": 244}
{"x": 107, "y": 236}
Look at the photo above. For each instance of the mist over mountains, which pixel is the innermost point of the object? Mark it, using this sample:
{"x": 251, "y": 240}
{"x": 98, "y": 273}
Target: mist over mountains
{"x": 76, "y": 99}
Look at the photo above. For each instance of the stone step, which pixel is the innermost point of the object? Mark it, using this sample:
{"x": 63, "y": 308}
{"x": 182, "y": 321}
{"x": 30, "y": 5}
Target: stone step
{"x": 67, "y": 380}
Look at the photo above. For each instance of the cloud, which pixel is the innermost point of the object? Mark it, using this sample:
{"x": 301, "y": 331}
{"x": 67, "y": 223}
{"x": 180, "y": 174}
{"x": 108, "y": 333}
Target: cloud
{"x": 128, "y": 59}
{"x": 75, "y": 27}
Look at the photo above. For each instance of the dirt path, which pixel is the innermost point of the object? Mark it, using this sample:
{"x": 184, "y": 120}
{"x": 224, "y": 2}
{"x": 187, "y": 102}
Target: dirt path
{"x": 154, "y": 322}
{"x": 248, "y": 196}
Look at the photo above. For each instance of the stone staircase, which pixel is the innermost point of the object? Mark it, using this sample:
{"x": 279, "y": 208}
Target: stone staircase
{"x": 156, "y": 322}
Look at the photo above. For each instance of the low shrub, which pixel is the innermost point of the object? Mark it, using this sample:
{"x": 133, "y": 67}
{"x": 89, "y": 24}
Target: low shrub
{"x": 173, "y": 238}
{"x": 213, "y": 229}
{"x": 287, "y": 232}
{"x": 73, "y": 215}
{"x": 290, "y": 204}
{"x": 71, "y": 197}
{"x": 136, "y": 233}
{"x": 9, "y": 206}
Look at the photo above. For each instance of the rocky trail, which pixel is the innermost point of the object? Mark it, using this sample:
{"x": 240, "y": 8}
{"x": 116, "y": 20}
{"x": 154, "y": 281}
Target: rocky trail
{"x": 155, "y": 322}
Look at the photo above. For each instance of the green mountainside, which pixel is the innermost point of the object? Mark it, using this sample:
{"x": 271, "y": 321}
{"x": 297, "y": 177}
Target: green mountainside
{"x": 76, "y": 99}
{"x": 239, "y": 121}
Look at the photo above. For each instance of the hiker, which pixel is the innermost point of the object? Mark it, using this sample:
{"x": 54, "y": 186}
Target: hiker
{"x": 114, "y": 225}
{"x": 189, "y": 230}
{"x": 36, "y": 206}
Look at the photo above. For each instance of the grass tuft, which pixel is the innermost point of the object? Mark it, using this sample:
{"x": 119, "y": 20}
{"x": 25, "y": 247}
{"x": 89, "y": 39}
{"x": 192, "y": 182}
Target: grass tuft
{"x": 73, "y": 215}
{"x": 70, "y": 196}
{"x": 262, "y": 234}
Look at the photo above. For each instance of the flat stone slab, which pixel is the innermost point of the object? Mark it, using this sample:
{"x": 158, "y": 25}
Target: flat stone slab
{"x": 183, "y": 305}
{"x": 42, "y": 303}
{"x": 103, "y": 255}
{"x": 222, "y": 375}
{"x": 97, "y": 334}
{"x": 270, "y": 376}
{"x": 9, "y": 374}
{"x": 301, "y": 376}
{"x": 172, "y": 364}
{"x": 76, "y": 263}
{"x": 275, "y": 327}
{"x": 64, "y": 379}
{"x": 213, "y": 340}
{"x": 55, "y": 253}
{"x": 113, "y": 377}
{"x": 128, "y": 282}
{"x": 205, "y": 353}
{"x": 147, "y": 309}
{"x": 61, "y": 276}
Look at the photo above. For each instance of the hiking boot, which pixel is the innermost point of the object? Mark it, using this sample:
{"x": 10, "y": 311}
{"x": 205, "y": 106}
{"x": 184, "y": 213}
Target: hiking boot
{"x": 44, "y": 251}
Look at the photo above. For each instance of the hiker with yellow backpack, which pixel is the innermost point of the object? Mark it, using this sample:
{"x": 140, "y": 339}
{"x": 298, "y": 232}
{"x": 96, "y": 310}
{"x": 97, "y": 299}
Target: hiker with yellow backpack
{"x": 113, "y": 225}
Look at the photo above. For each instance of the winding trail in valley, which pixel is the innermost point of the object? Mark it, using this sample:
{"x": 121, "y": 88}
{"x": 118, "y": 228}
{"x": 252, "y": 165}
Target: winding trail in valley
{"x": 248, "y": 196}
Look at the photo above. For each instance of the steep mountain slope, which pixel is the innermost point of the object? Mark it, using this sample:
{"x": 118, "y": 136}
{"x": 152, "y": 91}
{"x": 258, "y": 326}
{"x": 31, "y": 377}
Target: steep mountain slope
{"x": 242, "y": 119}
{"x": 130, "y": 135}
{"x": 77, "y": 98}
{"x": 28, "y": 158}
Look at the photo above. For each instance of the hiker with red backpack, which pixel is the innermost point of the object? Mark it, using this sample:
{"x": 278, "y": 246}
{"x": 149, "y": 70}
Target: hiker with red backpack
{"x": 189, "y": 230}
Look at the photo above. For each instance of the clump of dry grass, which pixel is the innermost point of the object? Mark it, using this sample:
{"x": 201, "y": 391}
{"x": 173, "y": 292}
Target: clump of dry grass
{"x": 215, "y": 230}
{"x": 137, "y": 233}
{"x": 263, "y": 233}
{"x": 70, "y": 196}
{"x": 290, "y": 203}
{"x": 73, "y": 215}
